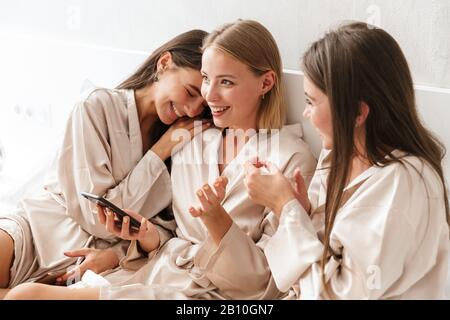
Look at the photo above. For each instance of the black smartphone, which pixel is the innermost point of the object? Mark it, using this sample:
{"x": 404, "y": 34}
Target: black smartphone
{"x": 134, "y": 224}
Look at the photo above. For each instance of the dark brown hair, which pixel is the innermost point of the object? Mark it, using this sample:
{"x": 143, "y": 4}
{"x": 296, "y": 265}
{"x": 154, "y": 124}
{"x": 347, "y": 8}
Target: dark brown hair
{"x": 361, "y": 63}
{"x": 186, "y": 52}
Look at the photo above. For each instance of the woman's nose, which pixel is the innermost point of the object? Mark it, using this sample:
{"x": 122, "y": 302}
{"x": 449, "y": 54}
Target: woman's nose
{"x": 306, "y": 113}
{"x": 210, "y": 93}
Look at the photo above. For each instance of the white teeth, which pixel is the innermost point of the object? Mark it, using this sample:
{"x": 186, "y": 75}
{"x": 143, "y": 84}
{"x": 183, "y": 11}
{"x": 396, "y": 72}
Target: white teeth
{"x": 175, "y": 110}
{"x": 216, "y": 109}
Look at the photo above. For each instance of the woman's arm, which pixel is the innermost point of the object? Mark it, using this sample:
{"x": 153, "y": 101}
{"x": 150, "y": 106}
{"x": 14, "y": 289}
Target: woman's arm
{"x": 211, "y": 212}
{"x": 237, "y": 265}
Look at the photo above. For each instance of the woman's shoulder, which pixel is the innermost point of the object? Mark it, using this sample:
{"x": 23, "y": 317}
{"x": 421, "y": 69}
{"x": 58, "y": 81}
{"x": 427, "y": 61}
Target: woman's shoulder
{"x": 412, "y": 167}
{"x": 98, "y": 98}
{"x": 290, "y": 141}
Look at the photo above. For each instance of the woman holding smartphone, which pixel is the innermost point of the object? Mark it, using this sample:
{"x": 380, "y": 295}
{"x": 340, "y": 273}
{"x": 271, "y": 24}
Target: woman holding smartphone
{"x": 242, "y": 84}
{"x": 115, "y": 145}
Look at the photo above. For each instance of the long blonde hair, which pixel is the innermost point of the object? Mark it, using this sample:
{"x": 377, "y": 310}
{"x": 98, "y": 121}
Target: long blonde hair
{"x": 251, "y": 43}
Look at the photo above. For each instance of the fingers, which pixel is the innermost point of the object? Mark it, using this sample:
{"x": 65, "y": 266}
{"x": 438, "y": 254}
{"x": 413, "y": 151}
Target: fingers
{"x": 299, "y": 181}
{"x": 125, "y": 230}
{"x": 195, "y": 129}
{"x": 195, "y": 212}
{"x": 76, "y": 271}
{"x": 210, "y": 195}
{"x": 63, "y": 278}
{"x": 203, "y": 200}
{"x": 220, "y": 187}
{"x": 143, "y": 229}
{"x": 78, "y": 253}
{"x": 272, "y": 168}
{"x": 110, "y": 224}
{"x": 250, "y": 168}
{"x": 134, "y": 214}
{"x": 101, "y": 214}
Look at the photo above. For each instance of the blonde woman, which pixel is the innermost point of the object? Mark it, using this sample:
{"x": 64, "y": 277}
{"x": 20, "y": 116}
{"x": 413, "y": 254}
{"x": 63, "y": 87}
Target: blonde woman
{"x": 373, "y": 224}
{"x": 242, "y": 72}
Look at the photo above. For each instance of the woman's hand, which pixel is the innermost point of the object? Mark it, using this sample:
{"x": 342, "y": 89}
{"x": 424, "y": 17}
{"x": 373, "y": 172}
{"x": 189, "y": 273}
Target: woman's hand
{"x": 210, "y": 199}
{"x": 213, "y": 215}
{"x": 147, "y": 236}
{"x": 273, "y": 189}
{"x": 97, "y": 260}
{"x": 180, "y": 133}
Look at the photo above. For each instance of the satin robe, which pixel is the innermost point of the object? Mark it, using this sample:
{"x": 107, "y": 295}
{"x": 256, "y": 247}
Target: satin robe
{"x": 101, "y": 154}
{"x": 390, "y": 239}
{"x": 190, "y": 265}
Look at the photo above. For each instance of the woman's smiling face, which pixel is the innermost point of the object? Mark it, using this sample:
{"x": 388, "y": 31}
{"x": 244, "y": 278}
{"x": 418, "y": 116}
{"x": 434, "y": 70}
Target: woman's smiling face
{"x": 318, "y": 112}
{"x": 231, "y": 89}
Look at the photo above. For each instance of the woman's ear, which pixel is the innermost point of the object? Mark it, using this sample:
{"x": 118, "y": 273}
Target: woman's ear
{"x": 268, "y": 81}
{"x": 164, "y": 62}
{"x": 364, "y": 111}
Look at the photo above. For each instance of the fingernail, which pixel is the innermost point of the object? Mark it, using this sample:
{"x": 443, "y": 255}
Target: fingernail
{"x": 58, "y": 279}
{"x": 199, "y": 193}
{"x": 126, "y": 219}
{"x": 206, "y": 187}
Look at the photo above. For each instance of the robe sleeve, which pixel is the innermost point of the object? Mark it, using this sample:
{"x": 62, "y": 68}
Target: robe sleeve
{"x": 238, "y": 266}
{"x": 87, "y": 140}
{"x": 135, "y": 258}
{"x": 373, "y": 237}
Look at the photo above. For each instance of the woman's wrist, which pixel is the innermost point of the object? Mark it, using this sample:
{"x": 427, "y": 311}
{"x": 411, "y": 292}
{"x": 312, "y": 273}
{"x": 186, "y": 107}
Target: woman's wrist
{"x": 281, "y": 202}
{"x": 160, "y": 152}
{"x": 148, "y": 245}
{"x": 217, "y": 224}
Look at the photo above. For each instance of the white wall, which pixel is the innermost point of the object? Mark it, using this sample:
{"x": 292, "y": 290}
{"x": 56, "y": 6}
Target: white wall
{"x": 51, "y": 49}
{"x": 422, "y": 27}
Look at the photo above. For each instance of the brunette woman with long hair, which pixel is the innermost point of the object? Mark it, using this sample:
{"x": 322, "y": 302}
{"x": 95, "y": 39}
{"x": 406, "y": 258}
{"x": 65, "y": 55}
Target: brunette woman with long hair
{"x": 373, "y": 224}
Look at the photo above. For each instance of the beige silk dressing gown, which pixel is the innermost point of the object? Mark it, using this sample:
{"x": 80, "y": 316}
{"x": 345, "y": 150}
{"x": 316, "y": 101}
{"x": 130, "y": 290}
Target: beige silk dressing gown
{"x": 190, "y": 265}
{"x": 101, "y": 154}
{"x": 390, "y": 239}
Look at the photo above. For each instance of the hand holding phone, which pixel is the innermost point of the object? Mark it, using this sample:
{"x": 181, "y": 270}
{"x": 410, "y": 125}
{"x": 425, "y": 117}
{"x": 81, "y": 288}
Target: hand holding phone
{"x": 147, "y": 236}
{"x": 120, "y": 214}
{"x": 50, "y": 277}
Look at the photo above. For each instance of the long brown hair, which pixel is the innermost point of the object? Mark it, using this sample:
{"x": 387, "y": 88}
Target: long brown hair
{"x": 186, "y": 52}
{"x": 251, "y": 43}
{"x": 361, "y": 63}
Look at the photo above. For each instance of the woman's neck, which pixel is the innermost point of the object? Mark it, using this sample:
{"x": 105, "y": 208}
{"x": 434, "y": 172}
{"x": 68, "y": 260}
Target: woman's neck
{"x": 359, "y": 162}
{"x": 146, "y": 109}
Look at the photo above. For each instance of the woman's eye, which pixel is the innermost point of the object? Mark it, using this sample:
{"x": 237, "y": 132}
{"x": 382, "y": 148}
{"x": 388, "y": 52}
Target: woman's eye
{"x": 189, "y": 93}
{"x": 227, "y": 82}
{"x": 308, "y": 102}
{"x": 205, "y": 79}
